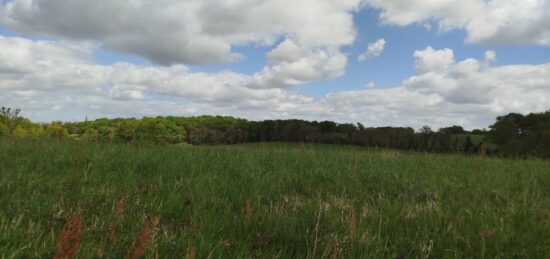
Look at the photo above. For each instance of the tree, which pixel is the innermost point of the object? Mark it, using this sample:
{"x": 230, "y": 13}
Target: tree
{"x": 159, "y": 130}
{"x": 10, "y": 118}
{"x": 452, "y": 130}
{"x": 126, "y": 130}
{"x": 56, "y": 131}
{"x": 520, "y": 136}
{"x": 3, "y": 129}
{"x": 426, "y": 130}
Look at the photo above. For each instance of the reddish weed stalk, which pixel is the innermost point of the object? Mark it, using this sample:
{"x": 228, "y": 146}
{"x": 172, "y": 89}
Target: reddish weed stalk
{"x": 119, "y": 212}
{"x": 334, "y": 254}
{"x": 352, "y": 226}
{"x": 68, "y": 242}
{"x": 192, "y": 254}
{"x": 142, "y": 241}
{"x": 247, "y": 210}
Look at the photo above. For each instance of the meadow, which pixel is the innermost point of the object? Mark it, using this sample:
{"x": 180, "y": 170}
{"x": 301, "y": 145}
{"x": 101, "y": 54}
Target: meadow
{"x": 267, "y": 200}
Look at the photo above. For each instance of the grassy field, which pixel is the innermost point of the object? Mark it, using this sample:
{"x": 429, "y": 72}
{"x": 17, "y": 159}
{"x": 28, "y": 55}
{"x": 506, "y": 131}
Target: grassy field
{"x": 269, "y": 201}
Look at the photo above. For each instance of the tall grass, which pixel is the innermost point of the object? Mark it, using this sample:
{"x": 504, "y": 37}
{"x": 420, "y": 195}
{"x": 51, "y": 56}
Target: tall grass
{"x": 269, "y": 200}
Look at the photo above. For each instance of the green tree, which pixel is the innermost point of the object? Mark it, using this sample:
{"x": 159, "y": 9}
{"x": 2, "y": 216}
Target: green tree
{"x": 426, "y": 130}
{"x": 57, "y": 131}
{"x": 3, "y": 129}
{"x": 452, "y": 130}
{"x": 126, "y": 130}
{"x": 159, "y": 130}
{"x": 10, "y": 118}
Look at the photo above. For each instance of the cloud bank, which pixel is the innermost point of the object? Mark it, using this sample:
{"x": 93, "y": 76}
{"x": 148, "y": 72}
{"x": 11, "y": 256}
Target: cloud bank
{"x": 485, "y": 21}
{"x": 171, "y": 32}
{"x": 52, "y": 79}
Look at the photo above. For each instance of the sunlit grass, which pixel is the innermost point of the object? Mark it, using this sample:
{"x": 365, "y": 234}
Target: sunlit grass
{"x": 271, "y": 200}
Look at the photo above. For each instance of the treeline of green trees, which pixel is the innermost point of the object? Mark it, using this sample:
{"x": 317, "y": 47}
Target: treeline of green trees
{"x": 518, "y": 135}
{"x": 512, "y": 135}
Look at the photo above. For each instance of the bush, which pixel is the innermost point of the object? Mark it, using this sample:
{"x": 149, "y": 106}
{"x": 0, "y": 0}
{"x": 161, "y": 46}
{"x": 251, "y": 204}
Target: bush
{"x": 57, "y": 131}
{"x": 3, "y": 129}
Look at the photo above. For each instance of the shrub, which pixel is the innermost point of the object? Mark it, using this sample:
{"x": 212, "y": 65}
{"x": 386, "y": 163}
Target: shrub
{"x": 57, "y": 131}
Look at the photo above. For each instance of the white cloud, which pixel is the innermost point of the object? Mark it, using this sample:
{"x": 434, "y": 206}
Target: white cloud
{"x": 194, "y": 32}
{"x": 472, "y": 81}
{"x": 490, "y": 56}
{"x": 185, "y": 32}
{"x": 127, "y": 92}
{"x": 319, "y": 64}
{"x": 444, "y": 92}
{"x": 374, "y": 49}
{"x": 433, "y": 60}
{"x": 287, "y": 50}
{"x": 485, "y": 21}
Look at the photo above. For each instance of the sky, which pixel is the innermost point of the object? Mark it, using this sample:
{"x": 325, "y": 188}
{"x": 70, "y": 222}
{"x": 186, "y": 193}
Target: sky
{"x": 377, "y": 62}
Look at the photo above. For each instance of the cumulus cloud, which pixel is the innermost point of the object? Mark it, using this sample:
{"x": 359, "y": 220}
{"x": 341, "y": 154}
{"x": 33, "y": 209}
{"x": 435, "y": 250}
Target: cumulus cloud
{"x": 433, "y": 60}
{"x": 374, "y": 49}
{"x": 445, "y": 91}
{"x": 319, "y": 64}
{"x": 471, "y": 81}
{"x": 490, "y": 56}
{"x": 185, "y": 32}
{"x": 485, "y": 21}
{"x": 287, "y": 50}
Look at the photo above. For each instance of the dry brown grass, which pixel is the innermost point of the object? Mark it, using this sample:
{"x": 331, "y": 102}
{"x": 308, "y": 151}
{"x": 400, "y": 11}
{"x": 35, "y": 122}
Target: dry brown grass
{"x": 119, "y": 213}
{"x": 352, "y": 226}
{"x": 143, "y": 240}
{"x": 191, "y": 254}
{"x": 247, "y": 210}
{"x": 482, "y": 150}
{"x": 68, "y": 242}
{"x": 335, "y": 252}
{"x": 412, "y": 211}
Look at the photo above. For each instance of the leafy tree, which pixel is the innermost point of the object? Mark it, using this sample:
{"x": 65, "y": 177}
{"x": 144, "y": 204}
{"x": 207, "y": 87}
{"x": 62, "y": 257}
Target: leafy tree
{"x": 90, "y": 134}
{"x": 19, "y": 133}
{"x": 10, "y": 118}
{"x": 3, "y": 129}
{"x": 426, "y": 130}
{"x": 159, "y": 130}
{"x": 479, "y": 132}
{"x": 518, "y": 135}
{"x": 126, "y": 130}
{"x": 56, "y": 131}
{"x": 452, "y": 130}
{"x": 327, "y": 126}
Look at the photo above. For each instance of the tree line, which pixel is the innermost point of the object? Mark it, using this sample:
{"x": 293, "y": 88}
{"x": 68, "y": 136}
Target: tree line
{"x": 513, "y": 135}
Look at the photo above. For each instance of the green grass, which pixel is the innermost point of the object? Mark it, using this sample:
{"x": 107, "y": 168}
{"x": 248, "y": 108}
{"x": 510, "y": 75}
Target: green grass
{"x": 302, "y": 200}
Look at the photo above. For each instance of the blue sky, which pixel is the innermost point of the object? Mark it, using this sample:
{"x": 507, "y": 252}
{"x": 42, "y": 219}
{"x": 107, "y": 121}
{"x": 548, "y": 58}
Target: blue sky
{"x": 397, "y": 61}
{"x": 477, "y": 60}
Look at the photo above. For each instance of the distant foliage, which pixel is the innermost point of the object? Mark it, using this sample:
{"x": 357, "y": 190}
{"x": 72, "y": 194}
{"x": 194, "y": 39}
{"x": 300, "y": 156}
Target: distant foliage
{"x": 3, "y": 129}
{"x": 10, "y": 119}
{"x": 56, "y": 131}
{"x": 513, "y": 135}
{"x": 519, "y": 136}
